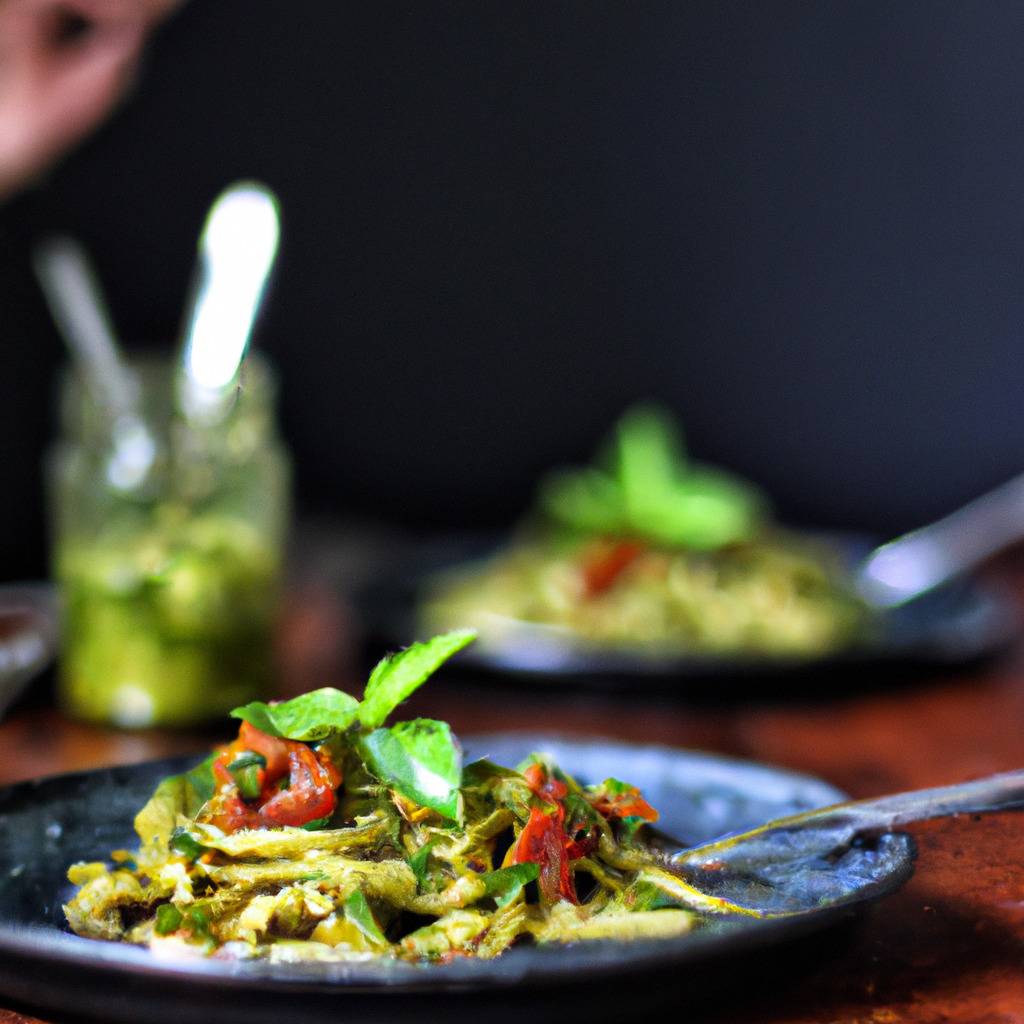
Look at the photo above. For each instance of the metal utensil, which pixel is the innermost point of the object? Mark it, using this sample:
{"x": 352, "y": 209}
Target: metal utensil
{"x": 237, "y": 249}
{"x": 28, "y": 636}
{"x": 812, "y": 862}
{"x": 73, "y": 293}
{"x": 926, "y": 558}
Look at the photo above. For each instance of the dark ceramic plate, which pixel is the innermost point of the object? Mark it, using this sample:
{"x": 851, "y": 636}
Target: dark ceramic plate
{"x": 46, "y": 825}
{"x": 954, "y": 625}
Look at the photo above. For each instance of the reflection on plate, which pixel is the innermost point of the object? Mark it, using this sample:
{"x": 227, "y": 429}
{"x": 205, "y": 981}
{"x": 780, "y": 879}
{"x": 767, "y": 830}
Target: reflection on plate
{"x": 45, "y": 825}
{"x": 953, "y": 625}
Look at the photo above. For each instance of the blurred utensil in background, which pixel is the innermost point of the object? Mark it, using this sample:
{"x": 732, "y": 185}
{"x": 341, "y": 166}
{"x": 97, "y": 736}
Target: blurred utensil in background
{"x": 815, "y": 861}
{"x": 237, "y": 250}
{"x": 927, "y": 558}
{"x": 28, "y": 636}
{"x": 76, "y": 302}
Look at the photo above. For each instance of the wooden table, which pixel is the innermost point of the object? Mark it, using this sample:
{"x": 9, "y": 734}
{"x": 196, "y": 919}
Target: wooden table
{"x": 948, "y": 947}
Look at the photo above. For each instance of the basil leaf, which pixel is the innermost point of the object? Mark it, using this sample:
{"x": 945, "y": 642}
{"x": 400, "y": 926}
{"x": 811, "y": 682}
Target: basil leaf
{"x": 506, "y": 787}
{"x": 311, "y": 716}
{"x": 357, "y": 910}
{"x": 247, "y": 759}
{"x": 506, "y": 884}
{"x": 182, "y": 841}
{"x": 418, "y": 863}
{"x": 648, "y": 459}
{"x": 197, "y": 920}
{"x": 168, "y": 919}
{"x": 399, "y": 675}
{"x": 586, "y": 500}
{"x": 421, "y": 760}
{"x": 317, "y": 824}
{"x": 483, "y": 772}
{"x": 201, "y": 783}
{"x": 644, "y": 487}
{"x": 176, "y": 795}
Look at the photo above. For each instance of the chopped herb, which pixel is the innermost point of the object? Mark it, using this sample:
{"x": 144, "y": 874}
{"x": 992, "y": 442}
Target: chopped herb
{"x": 168, "y": 919}
{"x": 183, "y": 842}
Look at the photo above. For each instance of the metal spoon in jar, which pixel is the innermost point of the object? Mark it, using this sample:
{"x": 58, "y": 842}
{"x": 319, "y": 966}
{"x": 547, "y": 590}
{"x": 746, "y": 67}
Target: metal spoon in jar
{"x": 823, "y": 859}
{"x": 237, "y": 249}
{"x": 73, "y": 294}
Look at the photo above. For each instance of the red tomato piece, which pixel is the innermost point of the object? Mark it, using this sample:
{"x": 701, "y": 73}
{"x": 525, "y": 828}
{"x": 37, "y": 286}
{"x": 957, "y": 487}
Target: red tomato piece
{"x": 542, "y": 842}
{"x": 625, "y": 805}
{"x": 606, "y": 562}
{"x": 273, "y": 750}
{"x": 309, "y": 795}
{"x": 544, "y": 785}
{"x": 232, "y": 814}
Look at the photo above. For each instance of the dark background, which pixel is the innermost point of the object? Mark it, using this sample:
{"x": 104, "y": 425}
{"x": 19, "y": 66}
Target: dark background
{"x": 800, "y": 224}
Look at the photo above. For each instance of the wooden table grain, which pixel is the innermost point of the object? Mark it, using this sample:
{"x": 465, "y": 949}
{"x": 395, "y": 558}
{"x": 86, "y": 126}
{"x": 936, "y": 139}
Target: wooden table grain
{"x": 949, "y": 947}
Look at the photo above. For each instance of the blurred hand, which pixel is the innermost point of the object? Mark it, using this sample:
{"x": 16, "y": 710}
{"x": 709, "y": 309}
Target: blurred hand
{"x": 63, "y": 65}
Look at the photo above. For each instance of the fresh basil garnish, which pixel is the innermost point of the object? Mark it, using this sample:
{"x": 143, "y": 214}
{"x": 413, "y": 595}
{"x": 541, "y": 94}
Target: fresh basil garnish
{"x": 397, "y": 676}
{"x": 182, "y": 841}
{"x": 644, "y": 487}
{"x": 168, "y": 919}
{"x": 357, "y": 910}
{"x": 327, "y": 711}
{"x": 505, "y": 884}
{"x": 421, "y": 760}
{"x": 311, "y": 716}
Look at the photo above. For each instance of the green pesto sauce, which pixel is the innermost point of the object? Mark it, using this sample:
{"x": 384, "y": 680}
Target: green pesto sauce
{"x": 166, "y": 622}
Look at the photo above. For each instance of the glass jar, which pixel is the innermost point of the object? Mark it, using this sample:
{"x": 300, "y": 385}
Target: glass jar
{"x": 169, "y": 578}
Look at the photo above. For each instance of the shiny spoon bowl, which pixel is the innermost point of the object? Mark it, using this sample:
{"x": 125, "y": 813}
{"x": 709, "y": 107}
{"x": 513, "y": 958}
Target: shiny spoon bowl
{"x": 819, "y": 860}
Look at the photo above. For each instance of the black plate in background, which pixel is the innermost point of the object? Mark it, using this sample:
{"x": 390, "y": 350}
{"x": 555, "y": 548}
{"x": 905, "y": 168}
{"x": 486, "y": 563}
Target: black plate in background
{"x": 46, "y": 825}
{"x": 952, "y": 626}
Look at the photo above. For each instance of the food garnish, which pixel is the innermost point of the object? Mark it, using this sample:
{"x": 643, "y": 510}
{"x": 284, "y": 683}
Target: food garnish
{"x": 650, "y": 552}
{"x": 321, "y": 833}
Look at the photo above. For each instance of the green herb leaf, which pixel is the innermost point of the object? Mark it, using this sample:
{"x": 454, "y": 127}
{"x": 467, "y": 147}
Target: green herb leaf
{"x": 176, "y": 795}
{"x": 482, "y": 773}
{"x": 397, "y": 676}
{"x": 311, "y": 716}
{"x": 245, "y": 771}
{"x": 418, "y": 863}
{"x": 182, "y": 841}
{"x": 421, "y": 760}
{"x": 645, "y": 488}
{"x": 197, "y": 920}
{"x": 506, "y": 884}
{"x": 587, "y": 500}
{"x": 648, "y": 459}
{"x": 579, "y": 814}
{"x": 316, "y": 824}
{"x": 247, "y": 759}
{"x": 357, "y": 910}
{"x": 168, "y": 919}
{"x": 629, "y": 827}
{"x": 201, "y": 783}
{"x": 505, "y": 786}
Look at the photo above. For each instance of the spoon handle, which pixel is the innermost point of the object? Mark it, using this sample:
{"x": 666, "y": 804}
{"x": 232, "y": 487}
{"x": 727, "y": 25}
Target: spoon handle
{"x": 926, "y": 558}
{"x": 1004, "y": 792}
{"x": 834, "y": 827}
{"x": 73, "y": 294}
